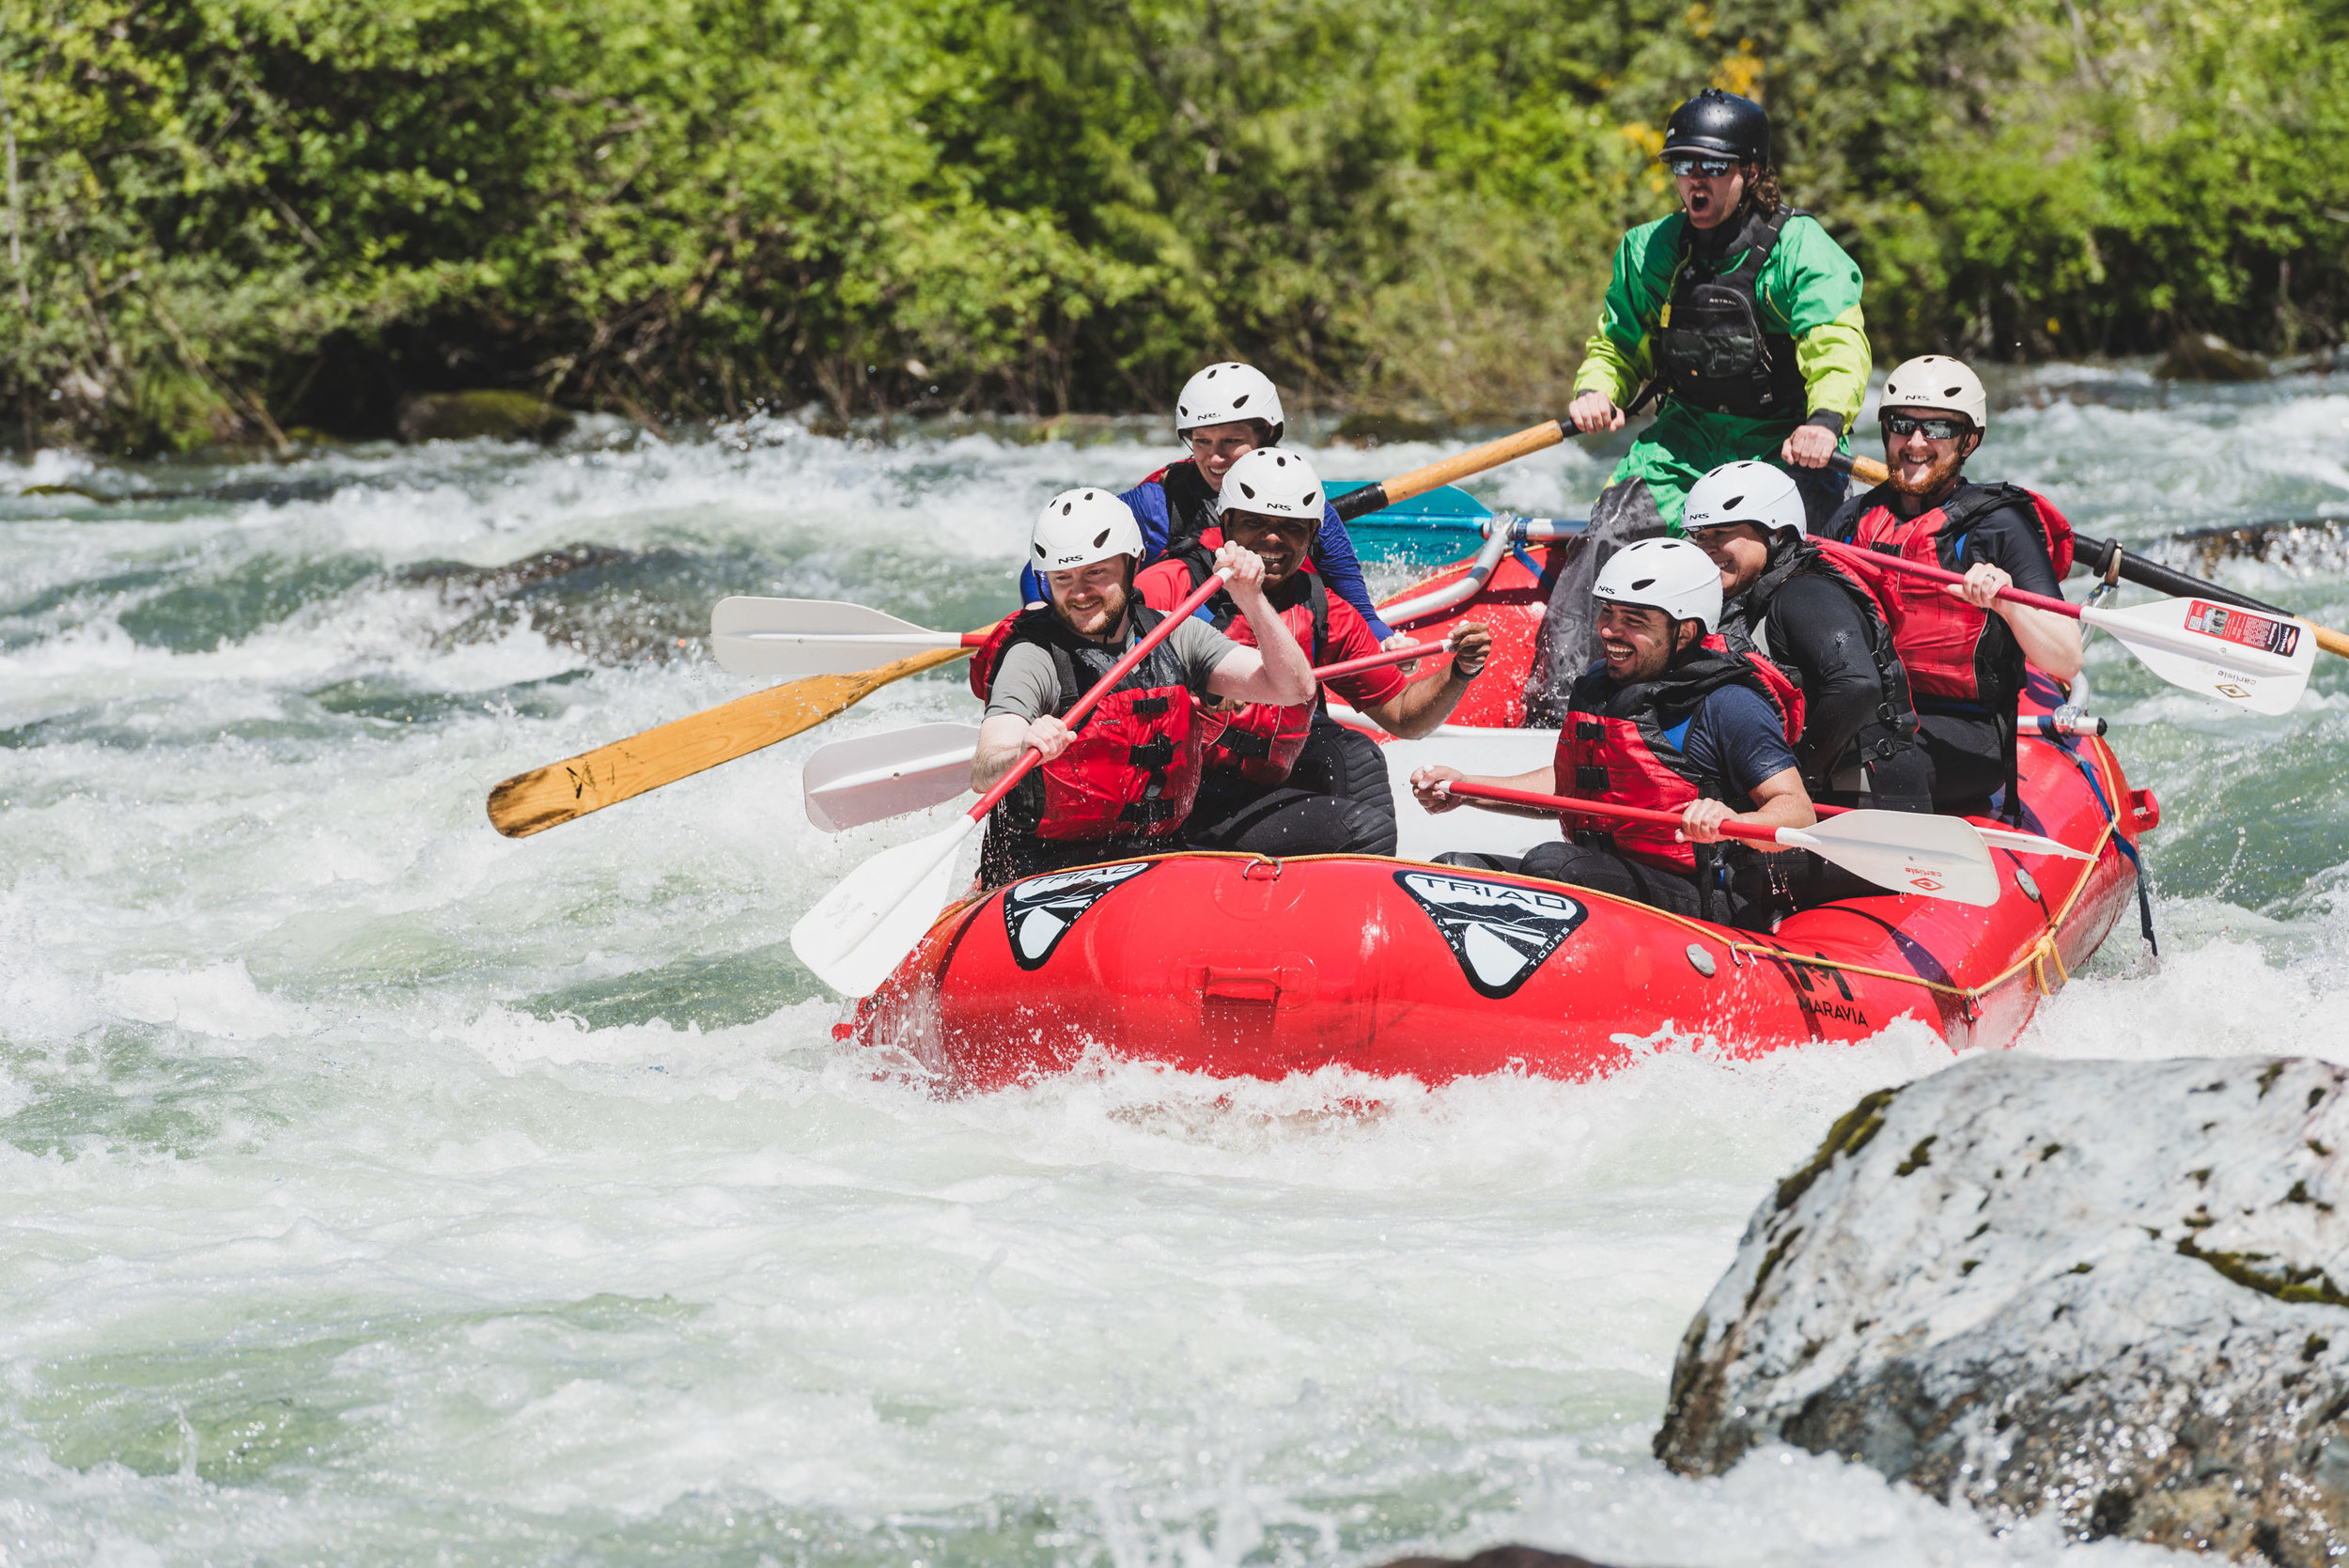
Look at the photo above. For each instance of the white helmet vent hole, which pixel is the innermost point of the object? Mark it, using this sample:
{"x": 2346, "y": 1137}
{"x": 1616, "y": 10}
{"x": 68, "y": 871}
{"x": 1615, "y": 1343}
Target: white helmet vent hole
{"x": 1644, "y": 582}
{"x": 1101, "y": 538}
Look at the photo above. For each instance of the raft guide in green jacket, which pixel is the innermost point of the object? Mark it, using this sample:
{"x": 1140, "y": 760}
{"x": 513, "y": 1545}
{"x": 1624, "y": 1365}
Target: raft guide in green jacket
{"x": 1809, "y": 289}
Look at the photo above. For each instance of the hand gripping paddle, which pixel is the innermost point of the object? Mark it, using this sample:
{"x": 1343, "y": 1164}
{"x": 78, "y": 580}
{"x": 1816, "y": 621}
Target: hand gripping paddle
{"x": 850, "y": 782}
{"x": 2256, "y": 661}
{"x": 1937, "y": 857}
{"x": 863, "y": 929}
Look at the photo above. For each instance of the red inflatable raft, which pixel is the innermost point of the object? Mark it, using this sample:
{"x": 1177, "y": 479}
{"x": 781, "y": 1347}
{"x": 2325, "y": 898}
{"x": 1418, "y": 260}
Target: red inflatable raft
{"x": 1244, "y": 967}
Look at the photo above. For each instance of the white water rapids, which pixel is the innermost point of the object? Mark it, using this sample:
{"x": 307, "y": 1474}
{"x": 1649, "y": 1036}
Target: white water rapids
{"x": 374, "y": 1189}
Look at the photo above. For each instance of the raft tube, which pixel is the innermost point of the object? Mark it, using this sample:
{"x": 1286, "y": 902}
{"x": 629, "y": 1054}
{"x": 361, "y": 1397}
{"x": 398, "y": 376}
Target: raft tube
{"x": 1239, "y": 965}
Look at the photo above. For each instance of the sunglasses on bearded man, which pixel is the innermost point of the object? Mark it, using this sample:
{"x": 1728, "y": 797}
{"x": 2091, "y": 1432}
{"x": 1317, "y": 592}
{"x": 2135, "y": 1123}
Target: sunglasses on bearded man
{"x": 1712, "y": 168}
{"x": 1901, "y": 426}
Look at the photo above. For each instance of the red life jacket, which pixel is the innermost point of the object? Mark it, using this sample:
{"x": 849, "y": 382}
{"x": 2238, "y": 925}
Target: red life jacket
{"x": 1262, "y": 741}
{"x": 1621, "y": 744}
{"x": 1949, "y": 646}
{"x": 1132, "y": 771}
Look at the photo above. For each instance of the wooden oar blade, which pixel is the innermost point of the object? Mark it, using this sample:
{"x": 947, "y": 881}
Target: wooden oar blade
{"x": 561, "y": 792}
{"x": 1938, "y": 856}
{"x": 2256, "y": 661}
{"x": 859, "y": 933}
{"x": 850, "y": 782}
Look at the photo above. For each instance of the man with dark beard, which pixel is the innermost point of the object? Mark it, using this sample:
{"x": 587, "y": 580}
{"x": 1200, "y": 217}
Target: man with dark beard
{"x": 1742, "y": 316}
{"x": 1965, "y": 649}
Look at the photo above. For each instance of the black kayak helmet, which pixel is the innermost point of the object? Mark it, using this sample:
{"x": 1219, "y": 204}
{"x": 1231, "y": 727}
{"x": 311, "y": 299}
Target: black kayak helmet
{"x": 1722, "y": 124}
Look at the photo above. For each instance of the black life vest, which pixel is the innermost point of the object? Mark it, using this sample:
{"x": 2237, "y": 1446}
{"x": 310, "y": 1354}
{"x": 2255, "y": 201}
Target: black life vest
{"x": 1621, "y": 744}
{"x": 1261, "y": 741}
{"x": 1711, "y": 349}
{"x": 1132, "y": 770}
{"x": 1746, "y": 628}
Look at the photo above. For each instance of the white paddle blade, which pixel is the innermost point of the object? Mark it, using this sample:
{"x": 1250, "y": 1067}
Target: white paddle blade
{"x": 811, "y": 637}
{"x": 1938, "y": 856}
{"x": 2028, "y": 843}
{"x": 861, "y": 931}
{"x": 850, "y": 782}
{"x": 2260, "y": 662}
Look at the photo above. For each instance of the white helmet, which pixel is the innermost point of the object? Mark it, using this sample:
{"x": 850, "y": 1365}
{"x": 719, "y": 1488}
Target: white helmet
{"x": 1762, "y": 494}
{"x": 1671, "y": 575}
{"x": 1274, "y": 484}
{"x": 1226, "y": 395}
{"x": 1937, "y": 381}
{"x": 1080, "y": 527}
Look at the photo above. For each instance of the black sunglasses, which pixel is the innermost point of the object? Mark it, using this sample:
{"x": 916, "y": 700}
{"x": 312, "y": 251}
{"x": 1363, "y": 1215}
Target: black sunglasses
{"x": 1939, "y": 430}
{"x": 1712, "y": 168}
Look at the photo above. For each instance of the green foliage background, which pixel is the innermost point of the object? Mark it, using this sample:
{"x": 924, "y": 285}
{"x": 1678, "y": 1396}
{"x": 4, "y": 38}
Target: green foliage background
{"x": 230, "y": 216}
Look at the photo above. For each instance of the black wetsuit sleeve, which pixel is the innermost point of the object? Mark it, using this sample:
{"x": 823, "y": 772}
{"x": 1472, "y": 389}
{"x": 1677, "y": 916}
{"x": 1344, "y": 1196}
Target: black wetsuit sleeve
{"x": 1816, "y": 630}
{"x": 2009, "y": 538}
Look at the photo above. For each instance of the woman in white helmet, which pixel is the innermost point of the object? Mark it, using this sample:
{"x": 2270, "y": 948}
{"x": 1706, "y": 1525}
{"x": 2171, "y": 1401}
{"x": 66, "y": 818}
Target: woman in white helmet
{"x": 1966, "y": 650}
{"x": 1123, "y": 781}
{"x": 1289, "y": 780}
{"x": 1665, "y": 722}
{"x": 1222, "y": 413}
{"x": 1782, "y": 595}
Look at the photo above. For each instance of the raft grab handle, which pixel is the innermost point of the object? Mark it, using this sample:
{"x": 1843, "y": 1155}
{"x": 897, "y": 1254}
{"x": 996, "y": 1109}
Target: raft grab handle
{"x": 1503, "y": 533}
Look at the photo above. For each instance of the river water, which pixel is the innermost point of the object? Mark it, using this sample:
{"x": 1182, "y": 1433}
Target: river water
{"x": 379, "y": 1191}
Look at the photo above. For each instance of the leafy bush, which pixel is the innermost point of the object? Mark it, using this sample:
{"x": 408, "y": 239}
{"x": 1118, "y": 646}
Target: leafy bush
{"x": 228, "y": 217}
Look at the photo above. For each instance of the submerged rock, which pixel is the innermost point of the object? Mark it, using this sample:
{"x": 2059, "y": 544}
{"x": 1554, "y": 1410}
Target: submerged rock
{"x": 486, "y": 414}
{"x": 2208, "y": 357}
{"x": 2100, "y": 1289}
{"x": 1499, "y": 1556}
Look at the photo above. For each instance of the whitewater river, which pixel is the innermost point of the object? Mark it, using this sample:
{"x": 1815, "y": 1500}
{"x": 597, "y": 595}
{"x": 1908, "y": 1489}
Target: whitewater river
{"x": 374, "y": 1189}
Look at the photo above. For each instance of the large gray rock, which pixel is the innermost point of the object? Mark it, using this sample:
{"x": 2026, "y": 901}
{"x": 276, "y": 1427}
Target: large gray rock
{"x": 2109, "y": 1290}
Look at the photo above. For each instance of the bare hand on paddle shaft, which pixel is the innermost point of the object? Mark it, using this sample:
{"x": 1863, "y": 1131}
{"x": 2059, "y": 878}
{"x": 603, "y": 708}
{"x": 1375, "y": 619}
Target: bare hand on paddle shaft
{"x": 1594, "y": 412}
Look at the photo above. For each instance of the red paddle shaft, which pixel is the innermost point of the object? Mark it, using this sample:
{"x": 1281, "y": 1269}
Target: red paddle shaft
{"x": 1101, "y": 687}
{"x": 1745, "y": 831}
{"x": 1879, "y": 560}
{"x": 1384, "y": 656}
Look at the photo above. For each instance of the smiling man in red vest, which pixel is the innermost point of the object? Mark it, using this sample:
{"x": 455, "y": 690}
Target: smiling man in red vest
{"x": 1964, "y": 648}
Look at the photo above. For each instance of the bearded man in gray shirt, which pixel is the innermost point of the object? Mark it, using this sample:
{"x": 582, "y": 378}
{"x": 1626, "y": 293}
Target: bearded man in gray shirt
{"x": 1123, "y": 781}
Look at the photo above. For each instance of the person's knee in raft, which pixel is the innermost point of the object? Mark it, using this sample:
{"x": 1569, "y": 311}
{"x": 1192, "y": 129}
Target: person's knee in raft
{"x": 1964, "y": 648}
{"x": 1222, "y": 413}
{"x": 1274, "y": 502}
{"x": 1660, "y": 721}
{"x": 1124, "y": 780}
{"x": 1786, "y": 599}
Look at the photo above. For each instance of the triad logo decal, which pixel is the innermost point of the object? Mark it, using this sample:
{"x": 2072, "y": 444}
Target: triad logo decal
{"x": 1039, "y": 912}
{"x": 1498, "y": 932}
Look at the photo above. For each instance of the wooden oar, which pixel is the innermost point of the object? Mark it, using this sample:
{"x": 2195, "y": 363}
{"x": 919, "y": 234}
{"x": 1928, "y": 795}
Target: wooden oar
{"x": 2144, "y": 573}
{"x": 1508, "y": 449}
{"x": 2260, "y": 662}
{"x": 550, "y": 796}
{"x": 850, "y": 782}
{"x": 863, "y": 928}
{"x": 1938, "y": 856}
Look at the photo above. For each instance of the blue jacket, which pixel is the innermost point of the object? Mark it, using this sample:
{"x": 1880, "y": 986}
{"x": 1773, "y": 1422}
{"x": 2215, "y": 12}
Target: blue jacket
{"x": 1340, "y": 570}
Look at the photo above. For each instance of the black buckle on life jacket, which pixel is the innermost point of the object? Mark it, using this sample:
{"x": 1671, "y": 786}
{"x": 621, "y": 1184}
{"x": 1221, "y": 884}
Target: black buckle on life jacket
{"x": 1589, "y": 729}
{"x": 1247, "y": 743}
{"x": 1150, "y": 707}
{"x": 1147, "y": 812}
{"x": 1155, "y": 755}
{"x": 1590, "y": 779}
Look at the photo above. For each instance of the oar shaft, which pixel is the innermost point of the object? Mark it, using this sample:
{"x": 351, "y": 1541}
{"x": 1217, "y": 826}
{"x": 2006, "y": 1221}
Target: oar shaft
{"x": 1102, "y": 687}
{"x": 1745, "y": 831}
{"x": 1371, "y": 498}
{"x": 1882, "y": 561}
{"x": 1381, "y": 658}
